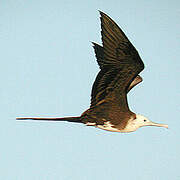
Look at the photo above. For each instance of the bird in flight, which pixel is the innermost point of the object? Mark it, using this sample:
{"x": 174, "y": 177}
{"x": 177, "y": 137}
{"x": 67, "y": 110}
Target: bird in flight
{"x": 120, "y": 65}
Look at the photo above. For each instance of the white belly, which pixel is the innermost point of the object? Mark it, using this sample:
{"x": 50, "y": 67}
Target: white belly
{"x": 108, "y": 127}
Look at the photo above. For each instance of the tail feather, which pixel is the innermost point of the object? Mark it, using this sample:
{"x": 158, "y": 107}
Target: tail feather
{"x": 69, "y": 119}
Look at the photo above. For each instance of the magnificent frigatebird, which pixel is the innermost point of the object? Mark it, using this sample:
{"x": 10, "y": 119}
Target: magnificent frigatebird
{"x": 120, "y": 65}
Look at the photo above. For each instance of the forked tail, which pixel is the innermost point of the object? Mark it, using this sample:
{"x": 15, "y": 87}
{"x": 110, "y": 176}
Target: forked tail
{"x": 69, "y": 119}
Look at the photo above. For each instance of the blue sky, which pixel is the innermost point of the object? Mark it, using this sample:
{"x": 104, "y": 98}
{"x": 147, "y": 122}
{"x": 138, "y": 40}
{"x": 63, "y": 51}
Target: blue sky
{"x": 47, "y": 69}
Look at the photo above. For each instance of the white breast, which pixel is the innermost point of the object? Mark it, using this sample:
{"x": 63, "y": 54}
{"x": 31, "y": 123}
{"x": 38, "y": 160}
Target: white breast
{"x": 130, "y": 127}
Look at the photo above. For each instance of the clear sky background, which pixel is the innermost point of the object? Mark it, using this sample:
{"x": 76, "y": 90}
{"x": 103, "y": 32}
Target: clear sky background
{"x": 48, "y": 68}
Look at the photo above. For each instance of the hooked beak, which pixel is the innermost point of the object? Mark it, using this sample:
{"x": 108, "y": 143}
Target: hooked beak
{"x": 158, "y": 125}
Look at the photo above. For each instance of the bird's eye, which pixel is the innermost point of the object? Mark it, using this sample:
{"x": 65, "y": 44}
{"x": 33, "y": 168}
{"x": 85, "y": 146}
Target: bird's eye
{"x": 145, "y": 120}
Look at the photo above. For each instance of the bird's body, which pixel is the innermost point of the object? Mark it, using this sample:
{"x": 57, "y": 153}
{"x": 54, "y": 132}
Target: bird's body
{"x": 120, "y": 65}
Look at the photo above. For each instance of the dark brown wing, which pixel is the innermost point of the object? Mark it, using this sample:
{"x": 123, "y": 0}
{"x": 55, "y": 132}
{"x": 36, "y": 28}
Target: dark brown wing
{"x": 119, "y": 62}
{"x": 99, "y": 52}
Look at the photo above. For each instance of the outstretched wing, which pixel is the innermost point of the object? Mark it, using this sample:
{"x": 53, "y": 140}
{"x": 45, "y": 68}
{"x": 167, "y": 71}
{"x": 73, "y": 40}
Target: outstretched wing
{"x": 99, "y": 52}
{"x": 119, "y": 62}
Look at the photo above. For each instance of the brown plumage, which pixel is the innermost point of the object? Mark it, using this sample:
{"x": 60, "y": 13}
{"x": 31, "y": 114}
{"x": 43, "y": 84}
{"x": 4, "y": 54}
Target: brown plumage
{"x": 120, "y": 65}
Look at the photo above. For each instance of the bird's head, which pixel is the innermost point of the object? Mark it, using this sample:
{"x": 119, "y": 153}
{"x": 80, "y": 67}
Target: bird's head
{"x": 141, "y": 121}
